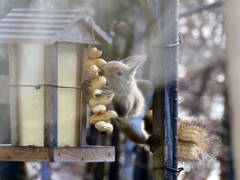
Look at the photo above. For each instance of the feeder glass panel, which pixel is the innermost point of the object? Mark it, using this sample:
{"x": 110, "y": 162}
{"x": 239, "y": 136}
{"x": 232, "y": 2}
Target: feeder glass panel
{"x": 31, "y": 116}
{"x": 68, "y": 103}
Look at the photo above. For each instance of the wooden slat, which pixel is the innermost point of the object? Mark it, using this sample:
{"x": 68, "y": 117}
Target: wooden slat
{"x": 44, "y": 11}
{"x": 50, "y": 95}
{"x": 69, "y": 25}
{"x": 30, "y": 26}
{"x": 78, "y": 33}
{"x": 24, "y": 40}
{"x": 85, "y": 154}
{"x": 27, "y": 31}
{"x": 82, "y": 75}
{"x": 35, "y": 21}
{"x": 22, "y": 35}
{"x": 65, "y": 154}
{"x": 9, "y": 36}
{"x": 78, "y": 97}
{"x": 60, "y": 20}
{"x": 45, "y": 15}
{"x": 12, "y": 56}
{"x": 100, "y": 35}
{"x": 83, "y": 41}
{"x": 33, "y": 154}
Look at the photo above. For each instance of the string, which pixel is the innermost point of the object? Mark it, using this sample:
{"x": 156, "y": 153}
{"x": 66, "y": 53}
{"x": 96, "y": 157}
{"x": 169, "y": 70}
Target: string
{"x": 93, "y": 36}
{"x": 37, "y": 87}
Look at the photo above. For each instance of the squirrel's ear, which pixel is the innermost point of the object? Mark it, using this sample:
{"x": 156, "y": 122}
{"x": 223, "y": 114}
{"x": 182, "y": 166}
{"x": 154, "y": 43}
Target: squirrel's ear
{"x": 134, "y": 61}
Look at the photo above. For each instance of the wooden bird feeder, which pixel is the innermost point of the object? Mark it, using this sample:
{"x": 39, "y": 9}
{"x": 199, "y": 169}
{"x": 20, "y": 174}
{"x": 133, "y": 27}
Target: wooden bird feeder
{"x": 48, "y": 116}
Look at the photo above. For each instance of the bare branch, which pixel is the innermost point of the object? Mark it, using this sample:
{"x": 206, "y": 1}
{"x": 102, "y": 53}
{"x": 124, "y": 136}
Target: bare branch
{"x": 201, "y": 8}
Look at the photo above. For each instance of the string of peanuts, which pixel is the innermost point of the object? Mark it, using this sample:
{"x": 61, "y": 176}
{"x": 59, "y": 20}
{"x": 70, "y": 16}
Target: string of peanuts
{"x": 101, "y": 117}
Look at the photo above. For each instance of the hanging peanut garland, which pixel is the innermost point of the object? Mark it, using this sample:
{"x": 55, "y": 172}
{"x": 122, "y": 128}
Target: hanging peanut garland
{"x": 99, "y": 101}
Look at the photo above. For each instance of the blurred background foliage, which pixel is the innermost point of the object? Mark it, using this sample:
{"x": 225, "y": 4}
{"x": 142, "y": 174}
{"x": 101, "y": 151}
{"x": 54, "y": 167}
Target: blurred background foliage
{"x": 202, "y": 84}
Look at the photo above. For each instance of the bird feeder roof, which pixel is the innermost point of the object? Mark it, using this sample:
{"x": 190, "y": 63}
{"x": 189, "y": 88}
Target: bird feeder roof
{"x": 49, "y": 26}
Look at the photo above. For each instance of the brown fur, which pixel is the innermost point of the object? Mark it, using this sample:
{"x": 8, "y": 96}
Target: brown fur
{"x": 197, "y": 141}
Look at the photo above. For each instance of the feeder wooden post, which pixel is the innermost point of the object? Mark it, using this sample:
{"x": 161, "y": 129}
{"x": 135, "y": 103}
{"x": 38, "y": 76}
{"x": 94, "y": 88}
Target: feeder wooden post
{"x": 82, "y": 74}
{"x": 12, "y": 53}
{"x": 50, "y": 95}
{"x": 163, "y": 18}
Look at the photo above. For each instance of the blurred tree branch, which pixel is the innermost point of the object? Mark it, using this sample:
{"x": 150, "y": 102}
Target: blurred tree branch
{"x": 201, "y": 8}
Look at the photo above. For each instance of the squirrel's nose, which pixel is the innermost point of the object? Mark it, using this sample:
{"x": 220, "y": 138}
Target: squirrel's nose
{"x": 101, "y": 72}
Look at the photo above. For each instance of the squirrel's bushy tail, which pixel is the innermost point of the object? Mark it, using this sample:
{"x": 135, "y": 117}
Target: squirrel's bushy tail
{"x": 197, "y": 141}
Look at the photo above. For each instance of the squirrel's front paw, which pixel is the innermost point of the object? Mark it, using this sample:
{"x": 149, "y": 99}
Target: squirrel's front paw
{"x": 85, "y": 86}
{"x": 153, "y": 142}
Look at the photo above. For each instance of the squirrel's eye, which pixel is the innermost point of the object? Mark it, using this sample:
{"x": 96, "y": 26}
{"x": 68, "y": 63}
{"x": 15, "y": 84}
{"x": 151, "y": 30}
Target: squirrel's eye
{"x": 119, "y": 72}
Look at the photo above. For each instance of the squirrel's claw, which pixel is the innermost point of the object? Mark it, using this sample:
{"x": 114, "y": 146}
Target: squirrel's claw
{"x": 153, "y": 142}
{"x": 85, "y": 85}
{"x": 107, "y": 87}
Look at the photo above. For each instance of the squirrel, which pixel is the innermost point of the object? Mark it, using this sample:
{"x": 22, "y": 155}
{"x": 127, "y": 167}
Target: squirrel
{"x": 132, "y": 100}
